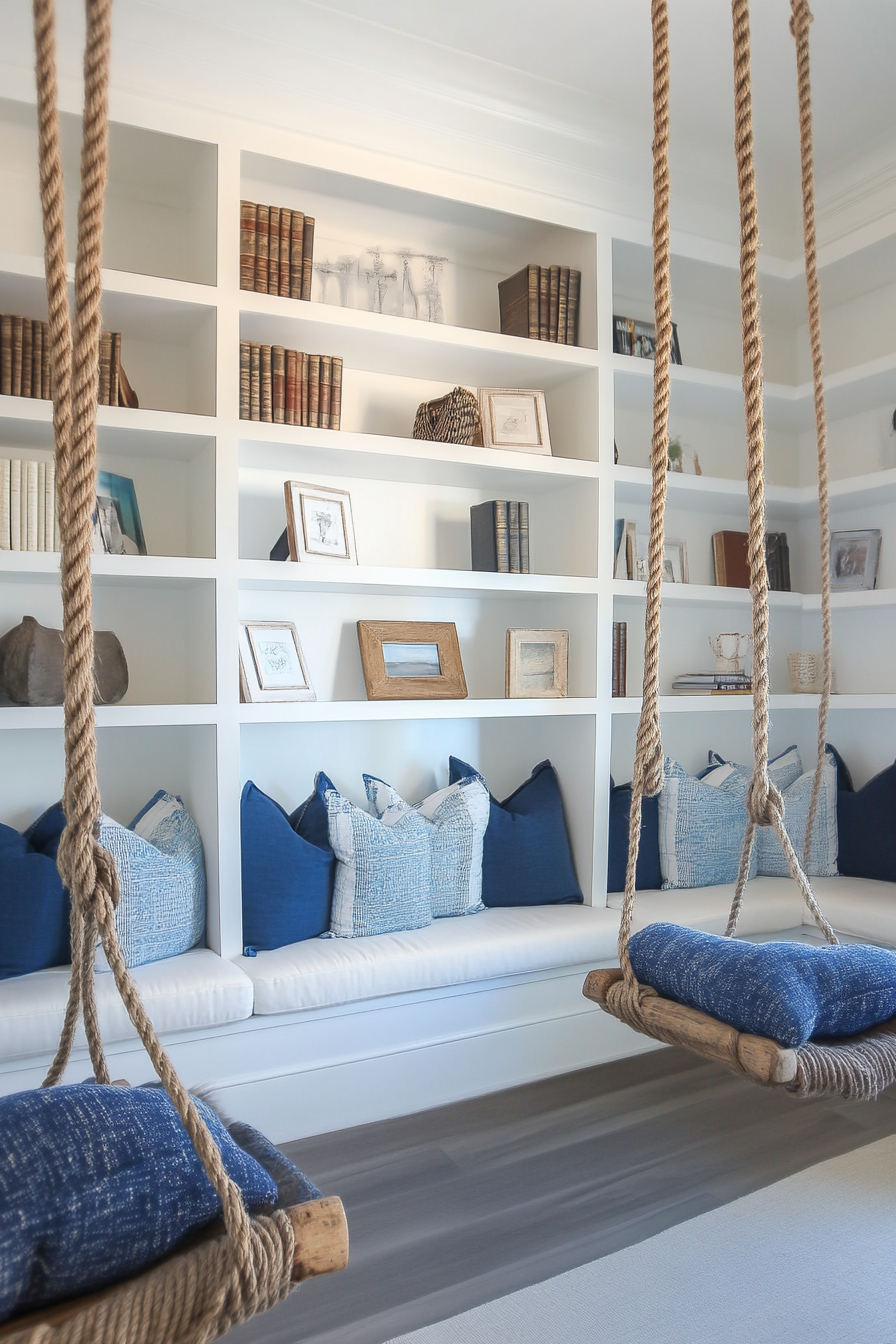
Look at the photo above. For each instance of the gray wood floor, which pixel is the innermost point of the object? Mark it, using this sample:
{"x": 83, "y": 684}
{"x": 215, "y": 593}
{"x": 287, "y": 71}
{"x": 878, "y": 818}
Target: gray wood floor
{"x": 459, "y": 1205}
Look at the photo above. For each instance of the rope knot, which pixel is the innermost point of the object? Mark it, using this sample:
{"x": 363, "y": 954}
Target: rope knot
{"x": 765, "y": 806}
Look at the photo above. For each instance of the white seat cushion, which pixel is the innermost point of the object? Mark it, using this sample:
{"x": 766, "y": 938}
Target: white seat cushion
{"x": 196, "y": 989}
{"x": 858, "y": 906}
{"x": 770, "y": 903}
{"x": 509, "y": 941}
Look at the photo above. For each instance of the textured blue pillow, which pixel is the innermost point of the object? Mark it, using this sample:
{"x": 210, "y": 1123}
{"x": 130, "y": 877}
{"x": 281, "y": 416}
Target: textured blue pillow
{"x": 97, "y": 1183}
{"x": 457, "y": 819}
{"x": 789, "y": 992}
{"x": 786, "y": 771}
{"x": 526, "y": 857}
{"x": 34, "y": 908}
{"x": 287, "y": 879}
{"x": 648, "y": 875}
{"x": 866, "y": 823}
{"x": 382, "y": 874}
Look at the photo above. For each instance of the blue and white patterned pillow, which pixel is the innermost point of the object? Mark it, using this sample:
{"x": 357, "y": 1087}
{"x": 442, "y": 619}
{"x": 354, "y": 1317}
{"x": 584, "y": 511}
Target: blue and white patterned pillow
{"x": 457, "y": 816}
{"x": 786, "y": 771}
{"x": 701, "y": 830}
{"x": 161, "y": 873}
{"x": 382, "y": 872}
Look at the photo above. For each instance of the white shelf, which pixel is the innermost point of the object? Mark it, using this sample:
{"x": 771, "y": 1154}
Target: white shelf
{"x": 306, "y": 577}
{"x": 380, "y": 343}
{"x": 374, "y": 711}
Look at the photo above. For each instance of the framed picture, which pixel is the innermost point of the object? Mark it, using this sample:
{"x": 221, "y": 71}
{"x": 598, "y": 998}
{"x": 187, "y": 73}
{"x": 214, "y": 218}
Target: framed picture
{"x": 515, "y": 418}
{"x": 272, "y": 667}
{"x": 675, "y": 562}
{"x": 117, "y": 527}
{"x": 631, "y": 337}
{"x": 319, "y": 523}
{"x": 411, "y": 660}
{"x": 854, "y": 560}
{"x": 536, "y": 664}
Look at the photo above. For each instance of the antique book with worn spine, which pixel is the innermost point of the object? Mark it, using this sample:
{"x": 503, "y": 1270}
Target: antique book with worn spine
{"x": 518, "y": 303}
{"x": 489, "y": 541}
{"x": 247, "y": 244}
{"x": 296, "y": 269}
{"x": 262, "y": 229}
{"x": 729, "y": 551}
{"x": 307, "y": 256}
{"x": 278, "y": 375}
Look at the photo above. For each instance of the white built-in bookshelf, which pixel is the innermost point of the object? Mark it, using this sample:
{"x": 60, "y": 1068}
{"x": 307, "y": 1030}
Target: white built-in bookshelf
{"x": 210, "y": 489}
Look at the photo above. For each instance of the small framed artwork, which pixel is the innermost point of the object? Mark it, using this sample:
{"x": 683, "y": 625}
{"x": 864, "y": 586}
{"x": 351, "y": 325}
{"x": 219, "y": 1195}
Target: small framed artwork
{"x": 272, "y": 667}
{"x": 536, "y": 664}
{"x": 117, "y": 527}
{"x": 411, "y": 660}
{"x": 514, "y": 418}
{"x": 854, "y": 560}
{"x": 675, "y": 562}
{"x": 319, "y": 523}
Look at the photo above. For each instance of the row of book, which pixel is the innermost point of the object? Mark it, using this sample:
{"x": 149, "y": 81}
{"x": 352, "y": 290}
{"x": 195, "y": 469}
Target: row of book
{"x": 276, "y": 250}
{"x": 28, "y": 518}
{"x": 24, "y": 357}
{"x": 620, "y": 658}
{"x": 541, "y": 303}
{"x": 732, "y": 566}
{"x": 289, "y": 387}
{"x": 499, "y": 536}
{"x": 712, "y": 683}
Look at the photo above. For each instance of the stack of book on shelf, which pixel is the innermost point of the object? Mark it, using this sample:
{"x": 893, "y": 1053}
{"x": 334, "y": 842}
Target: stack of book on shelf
{"x": 288, "y": 387}
{"x": 499, "y": 535}
{"x": 732, "y": 567}
{"x": 28, "y": 520}
{"x": 713, "y": 683}
{"x": 24, "y": 357}
{"x": 541, "y": 303}
{"x": 620, "y": 655}
{"x": 276, "y": 250}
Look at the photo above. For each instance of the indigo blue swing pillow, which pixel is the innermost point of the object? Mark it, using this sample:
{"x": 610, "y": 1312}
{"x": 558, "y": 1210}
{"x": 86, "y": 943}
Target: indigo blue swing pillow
{"x": 789, "y": 992}
{"x": 287, "y": 876}
{"x": 526, "y": 856}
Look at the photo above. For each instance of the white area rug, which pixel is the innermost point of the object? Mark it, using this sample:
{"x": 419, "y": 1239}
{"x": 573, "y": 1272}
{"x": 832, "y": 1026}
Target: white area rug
{"x": 811, "y": 1260}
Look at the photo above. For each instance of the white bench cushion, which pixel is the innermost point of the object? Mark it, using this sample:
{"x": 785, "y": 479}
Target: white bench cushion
{"x": 857, "y": 905}
{"x": 770, "y": 903}
{"x": 196, "y": 989}
{"x": 321, "y": 972}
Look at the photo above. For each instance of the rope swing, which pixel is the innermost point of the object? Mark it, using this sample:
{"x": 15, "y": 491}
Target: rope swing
{"x": 857, "y": 1067}
{"x": 200, "y": 1293}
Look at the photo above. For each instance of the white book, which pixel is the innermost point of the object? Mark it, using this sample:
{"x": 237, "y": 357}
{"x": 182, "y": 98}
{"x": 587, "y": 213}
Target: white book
{"x": 52, "y": 543}
{"x": 41, "y": 506}
{"x": 4, "y": 503}
{"x": 30, "y": 502}
{"x": 15, "y": 505}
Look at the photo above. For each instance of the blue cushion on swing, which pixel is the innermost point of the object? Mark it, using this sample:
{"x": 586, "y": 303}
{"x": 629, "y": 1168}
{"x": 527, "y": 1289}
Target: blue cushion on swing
{"x": 789, "y": 992}
{"x": 97, "y": 1183}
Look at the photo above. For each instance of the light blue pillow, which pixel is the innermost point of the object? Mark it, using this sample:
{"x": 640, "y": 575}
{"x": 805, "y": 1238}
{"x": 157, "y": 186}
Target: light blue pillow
{"x": 162, "y": 878}
{"x": 796, "y": 787}
{"x": 382, "y": 873}
{"x": 457, "y": 816}
{"x": 701, "y": 830}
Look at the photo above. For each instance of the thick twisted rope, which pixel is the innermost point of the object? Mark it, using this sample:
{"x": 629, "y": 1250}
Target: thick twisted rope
{"x": 253, "y": 1274}
{"x": 647, "y": 778}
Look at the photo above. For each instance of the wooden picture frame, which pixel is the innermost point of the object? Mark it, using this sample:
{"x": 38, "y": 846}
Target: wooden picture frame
{"x": 536, "y": 665}
{"x": 411, "y": 660}
{"x": 514, "y": 419}
{"x": 319, "y": 524}
{"x": 272, "y": 665}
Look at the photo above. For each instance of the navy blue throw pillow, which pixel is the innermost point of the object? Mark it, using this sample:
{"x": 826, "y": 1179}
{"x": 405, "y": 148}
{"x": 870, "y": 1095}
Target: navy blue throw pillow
{"x": 34, "y": 907}
{"x": 788, "y": 992}
{"x": 866, "y": 825}
{"x": 97, "y": 1183}
{"x": 647, "y": 874}
{"x": 287, "y": 877}
{"x": 526, "y": 858}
